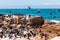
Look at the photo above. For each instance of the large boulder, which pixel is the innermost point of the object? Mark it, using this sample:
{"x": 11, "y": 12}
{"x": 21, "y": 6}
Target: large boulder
{"x": 37, "y": 21}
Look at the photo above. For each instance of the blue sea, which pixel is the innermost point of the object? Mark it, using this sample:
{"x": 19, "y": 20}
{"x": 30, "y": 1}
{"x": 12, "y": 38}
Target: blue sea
{"x": 49, "y": 14}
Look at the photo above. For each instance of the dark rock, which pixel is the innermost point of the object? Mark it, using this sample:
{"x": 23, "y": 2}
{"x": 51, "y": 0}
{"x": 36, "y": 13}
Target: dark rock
{"x": 1, "y": 25}
{"x": 10, "y": 27}
{"x": 33, "y": 34}
{"x": 1, "y": 36}
{"x": 37, "y": 21}
{"x": 22, "y": 21}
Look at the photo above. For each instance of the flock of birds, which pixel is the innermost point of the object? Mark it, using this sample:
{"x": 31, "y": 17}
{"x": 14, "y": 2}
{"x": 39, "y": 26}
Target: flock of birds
{"x": 51, "y": 13}
{"x": 19, "y": 32}
{"x": 38, "y": 11}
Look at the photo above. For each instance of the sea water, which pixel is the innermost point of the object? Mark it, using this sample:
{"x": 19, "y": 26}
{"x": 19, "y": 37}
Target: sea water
{"x": 36, "y": 12}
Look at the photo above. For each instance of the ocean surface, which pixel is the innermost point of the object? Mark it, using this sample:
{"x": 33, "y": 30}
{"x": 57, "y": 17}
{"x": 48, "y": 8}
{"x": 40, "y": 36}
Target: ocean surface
{"x": 49, "y": 14}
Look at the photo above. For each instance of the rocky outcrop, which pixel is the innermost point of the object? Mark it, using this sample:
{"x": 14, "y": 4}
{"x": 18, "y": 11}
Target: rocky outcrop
{"x": 37, "y": 21}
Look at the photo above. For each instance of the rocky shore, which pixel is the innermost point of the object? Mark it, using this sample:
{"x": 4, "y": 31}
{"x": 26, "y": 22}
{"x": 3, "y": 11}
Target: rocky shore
{"x": 22, "y": 27}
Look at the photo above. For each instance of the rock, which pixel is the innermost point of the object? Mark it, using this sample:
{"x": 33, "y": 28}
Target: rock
{"x": 56, "y": 28}
{"x": 22, "y": 21}
{"x": 37, "y": 21}
{"x": 56, "y": 38}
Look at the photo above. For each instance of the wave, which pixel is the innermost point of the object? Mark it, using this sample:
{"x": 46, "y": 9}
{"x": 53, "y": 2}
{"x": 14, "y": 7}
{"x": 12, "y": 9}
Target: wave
{"x": 56, "y": 21}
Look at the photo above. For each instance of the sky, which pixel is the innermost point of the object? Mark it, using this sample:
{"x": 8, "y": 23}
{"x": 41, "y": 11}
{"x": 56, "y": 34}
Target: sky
{"x": 31, "y": 3}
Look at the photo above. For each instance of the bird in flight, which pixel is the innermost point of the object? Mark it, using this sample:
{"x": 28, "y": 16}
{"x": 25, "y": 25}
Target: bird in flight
{"x": 29, "y": 7}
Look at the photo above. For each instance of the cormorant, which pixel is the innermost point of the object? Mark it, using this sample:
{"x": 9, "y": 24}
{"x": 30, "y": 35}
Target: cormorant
{"x": 58, "y": 10}
{"x": 10, "y": 12}
{"x": 29, "y": 7}
{"x": 38, "y": 11}
{"x": 50, "y": 13}
{"x": 54, "y": 16}
{"x": 58, "y": 16}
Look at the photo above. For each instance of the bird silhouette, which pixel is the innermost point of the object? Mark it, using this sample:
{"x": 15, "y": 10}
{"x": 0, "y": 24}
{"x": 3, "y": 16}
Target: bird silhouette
{"x": 58, "y": 16}
{"x": 10, "y": 12}
{"x": 51, "y": 13}
{"x": 38, "y": 11}
{"x": 29, "y": 7}
{"x": 58, "y": 10}
{"x": 54, "y": 16}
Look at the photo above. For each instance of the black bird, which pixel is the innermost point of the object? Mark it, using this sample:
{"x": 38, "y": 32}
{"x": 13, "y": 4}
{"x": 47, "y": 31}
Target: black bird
{"x": 58, "y": 10}
{"x": 29, "y": 7}
{"x": 58, "y": 16}
{"x": 10, "y": 11}
{"x": 54, "y": 16}
{"x": 50, "y": 13}
{"x": 38, "y": 11}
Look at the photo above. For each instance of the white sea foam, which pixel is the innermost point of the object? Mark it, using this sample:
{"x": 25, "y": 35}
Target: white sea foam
{"x": 55, "y": 21}
{"x": 6, "y": 15}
